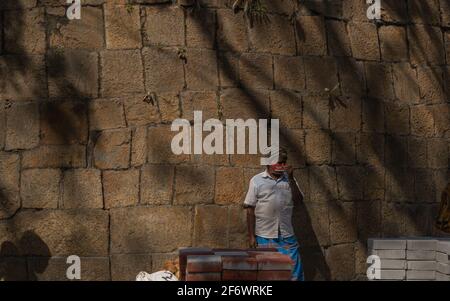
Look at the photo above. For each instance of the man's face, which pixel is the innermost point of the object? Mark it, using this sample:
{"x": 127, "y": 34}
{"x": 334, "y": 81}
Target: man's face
{"x": 279, "y": 168}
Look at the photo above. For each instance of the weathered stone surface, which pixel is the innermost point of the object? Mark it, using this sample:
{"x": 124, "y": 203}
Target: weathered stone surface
{"x": 405, "y": 83}
{"x": 437, "y": 151}
{"x": 159, "y": 149}
{"x": 26, "y": 77}
{"x": 289, "y": 73}
{"x": 256, "y": 71}
{"x": 106, "y": 114}
{"x": 228, "y": 69}
{"x": 343, "y": 227}
{"x": 321, "y": 74}
{"x": 346, "y": 118}
{"x": 229, "y": 186}
{"x": 241, "y": 103}
{"x": 431, "y": 83}
{"x": 122, "y": 26}
{"x": 323, "y": 184}
{"x": 422, "y": 121}
{"x": 237, "y": 232}
{"x": 206, "y": 102}
{"x": 55, "y": 269}
{"x": 112, "y": 149}
{"x": 82, "y": 188}
{"x": 350, "y": 183}
{"x": 276, "y": 37}
{"x": 22, "y": 126}
{"x": 201, "y": 69}
{"x": 231, "y": 31}
{"x": 200, "y": 28}
{"x": 208, "y": 231}
{"x": 125, "y": 267}
{"x": 311, "y": 37}
{"x": 374, "y": 183}
{"x": 379, "y": 81}
{"x": 64, "y": 123}
{"x": 318, "y": 147}
{"x": 18, "y": 4}
{"x": 121, "y": 188}
{"x": 351, "y": 76}
{"x": 40, "y": 188}
{"x": 344, "y": 148}
{"x": 395, "y": 11}
{"x": 55, "y": 156}
{"x": 287, "y": 107}
{"x": 338, "y": 38}
{"x": 368, "y": 219}
{"x": 393, "y": 43}
{"x": 25, "y": 31}
{"x": 342, "y": 256}
{"x": 9, "y": 186}
{"x": 169, "y": 106}
{"x": 138, "y": 112}
{"x": 194, "y": 185}
{"x": 164, "y": 26}
{"x": 122, "y": 73}
{"x": 364, "y": 40}
{"x": 316, "y": 112}
{"x": 138, "y": 229}
{"x": 72, "y": 73}
{"x": 86, "y": 33}
{"x": 58, "y": 232}
{"x": 163, "y": 69}
{"x": 397, "y": 119}
{"x": 418, "y": 10}
{"x": 157, "y": 184}
{"x": 425, "y": 44}
{"x": 139, "y": 146}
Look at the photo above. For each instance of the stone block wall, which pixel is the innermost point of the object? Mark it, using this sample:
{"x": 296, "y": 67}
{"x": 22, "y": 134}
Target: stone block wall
{"x": 85, "y": 161}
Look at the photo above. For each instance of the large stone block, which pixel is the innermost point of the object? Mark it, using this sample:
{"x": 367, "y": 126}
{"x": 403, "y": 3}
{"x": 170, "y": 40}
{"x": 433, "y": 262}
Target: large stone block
{"x": 276, "y": 37}
{"x": 419, "y": 9}
{"x": 122, "y": 26}
{"x": 341, "y": 259}
{"x": 397, "y": 118}
{"x": 321, "y": 74}
{"x": 237, "y": 227}
{"x": 106, "y": 114}
{"x": 55, "y": 156}
{"x": 311, "y": 37}
{"x": 24, "y": 31}
{"x": 422, "y": 121}
{"x": 338, "y": 38}
{"x": 206, "y": 102}
{"x": 228, "y": 69}
{"x": 121, "y": 188}
{"x": 316, "y": 112}
{"x": 201, "y": 69}
{"x": 289, "y": 73}
{"x": 9, "y": 186}
{"x": 287, "y": 107}
{"x": 318, "y": 147}
{"x": 55, "y": 269}
{"x": 82, "y": 188}
{"x": 344, "y": 148}
{"x": 231, "y": 31}
{"x": 351, "y": 76}
{"x": 138, "y": 112}
{"x": 201, "y": 28}
{"x": 22, "y": 126}
{"x": 241, "y": 103}
{"x": 313, "y": 225}
{"x": 40, "y": 188}
{"x": 229, "y": 185}
{"x": 364, "y": 40}
{"x": 426, "y": 45}
{"x": 125, "y": 267}
{"x": 157, "y": 184}
{"x": 64, "y": 123}
{"x": 431, "y": 81}
{"x": 394, "y": 11}
{"x": 371, "y": 149}
{"x": 163, "y": 69}
{"x": 57, "y": 232}
{"x": 393, "y": 43}
{"x": 405, "y": 83}
{"x": 159, "y": 146}
{"x": 350, "y": 182}
{"x": 343, "y": 227}
{"x": 26, "y": 78}
{"x": 112, "y": 149}
{"x": 437, "y": 153}
{"x": 194, "y": 185}
{"x": 86, "y": 33}
{"x": 72, "y": 73}
{"x": 17, "y": 4}
{"x": 169, "y": 106}
{"x": 323, "y": 184}
{"x": 139, "y": 146}
{"x": 346, "y": 118}
{"x": 417, "y": 152}
{"x": 294, "y": 142}
{"x": 122, "y": 73}
{"x": 210, "y": 226}
{"x": 150, "y": 229}
{"x": 441, "y": 115}
{"x": 368, "y": 219}
{"x": 256, "y": 71}
{"x": 379, "y": 81}
{"x": 164, "y": 26}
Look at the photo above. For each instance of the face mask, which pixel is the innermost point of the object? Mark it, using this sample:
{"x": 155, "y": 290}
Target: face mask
{"x": 279, "y": 167}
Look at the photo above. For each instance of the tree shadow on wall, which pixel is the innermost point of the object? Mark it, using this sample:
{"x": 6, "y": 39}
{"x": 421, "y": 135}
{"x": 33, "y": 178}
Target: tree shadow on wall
{"x": 15, "y": 266}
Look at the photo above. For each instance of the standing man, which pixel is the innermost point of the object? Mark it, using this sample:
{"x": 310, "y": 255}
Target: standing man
{"x": 269, "y": 203}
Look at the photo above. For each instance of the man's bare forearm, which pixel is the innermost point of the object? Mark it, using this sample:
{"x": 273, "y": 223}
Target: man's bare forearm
{"x": 251, "y": 221}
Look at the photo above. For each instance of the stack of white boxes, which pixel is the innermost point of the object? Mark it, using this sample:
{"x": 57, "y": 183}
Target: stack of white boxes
{"x": 412, "y": 259}
{"x": 443, "y": 261}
